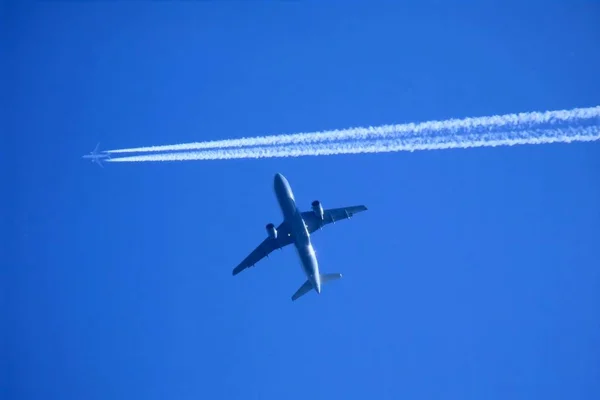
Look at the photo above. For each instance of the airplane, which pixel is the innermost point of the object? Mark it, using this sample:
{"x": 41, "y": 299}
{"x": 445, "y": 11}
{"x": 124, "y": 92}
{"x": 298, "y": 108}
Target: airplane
{"x": 296, "y": 228}
{"x": 95, "y": 157}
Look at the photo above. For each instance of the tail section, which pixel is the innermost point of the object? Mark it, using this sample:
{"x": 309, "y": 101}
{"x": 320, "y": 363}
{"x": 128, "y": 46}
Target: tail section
{"x": 308, "y": 286}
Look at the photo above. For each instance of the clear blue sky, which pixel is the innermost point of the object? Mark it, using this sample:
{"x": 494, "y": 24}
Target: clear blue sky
{"x": 475, "y": 274}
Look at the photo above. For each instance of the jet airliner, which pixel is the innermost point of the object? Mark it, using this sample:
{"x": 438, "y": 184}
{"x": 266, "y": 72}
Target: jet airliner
{"x": 296, "y": 228}
{"x": 95, "y": 157}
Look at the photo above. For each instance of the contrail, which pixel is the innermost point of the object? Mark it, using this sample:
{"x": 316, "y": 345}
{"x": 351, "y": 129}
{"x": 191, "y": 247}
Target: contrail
{"x": 413, "y": 143}
{"x": 523, "y": 121}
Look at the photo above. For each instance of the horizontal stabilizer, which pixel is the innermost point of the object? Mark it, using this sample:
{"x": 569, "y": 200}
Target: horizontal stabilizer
{"x": 330, "y": 277}
{"x": 308, "y": 286}
{"x": 305, "y": 288}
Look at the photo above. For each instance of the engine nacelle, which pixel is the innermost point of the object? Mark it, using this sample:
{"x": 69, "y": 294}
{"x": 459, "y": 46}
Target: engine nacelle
{"x": 317, "y": 209}
{"x": 271, "y": 231}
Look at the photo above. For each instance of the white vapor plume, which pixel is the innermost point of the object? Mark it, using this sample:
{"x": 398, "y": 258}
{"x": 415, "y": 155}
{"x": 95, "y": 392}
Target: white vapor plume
{"x": 383, "y": 145}
{"x": 506, "y": 122}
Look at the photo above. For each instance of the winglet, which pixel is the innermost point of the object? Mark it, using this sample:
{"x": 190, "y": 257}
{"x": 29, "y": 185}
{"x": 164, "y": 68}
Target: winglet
{"x": 238, "y": 269}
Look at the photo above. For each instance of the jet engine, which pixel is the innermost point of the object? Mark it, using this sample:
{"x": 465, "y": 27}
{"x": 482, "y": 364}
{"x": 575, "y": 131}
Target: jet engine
{"x": 271, "y": 231}
{"x": 317, "y": 209}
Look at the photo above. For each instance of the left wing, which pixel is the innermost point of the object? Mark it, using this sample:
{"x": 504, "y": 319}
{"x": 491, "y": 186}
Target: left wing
{"x": 266, "y": 247}
{"x": 313, "y": 222}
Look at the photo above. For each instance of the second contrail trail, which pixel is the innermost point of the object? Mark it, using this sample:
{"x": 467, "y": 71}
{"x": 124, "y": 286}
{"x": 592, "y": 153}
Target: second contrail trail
{"x": 384, "y": 145}
{"x": 506, "y": 122}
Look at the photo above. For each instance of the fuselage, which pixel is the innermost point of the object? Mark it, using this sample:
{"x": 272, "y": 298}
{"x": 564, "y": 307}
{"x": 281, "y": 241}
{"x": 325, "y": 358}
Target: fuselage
{"x": 293, "y": 216}
{"x": 95, "y": 157}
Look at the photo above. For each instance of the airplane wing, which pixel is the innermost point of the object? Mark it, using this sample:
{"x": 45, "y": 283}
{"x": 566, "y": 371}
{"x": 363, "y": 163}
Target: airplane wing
{"x": 332, "y": 215}
{"x": 266, "y": 247}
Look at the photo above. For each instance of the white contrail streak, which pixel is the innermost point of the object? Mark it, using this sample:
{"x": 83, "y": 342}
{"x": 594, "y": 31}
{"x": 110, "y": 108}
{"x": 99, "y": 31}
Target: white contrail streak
{"x": 529, "y": 120}
{"x": 414, "y": 143}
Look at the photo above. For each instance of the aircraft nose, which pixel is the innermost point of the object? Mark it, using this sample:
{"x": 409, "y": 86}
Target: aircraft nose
{"x": 280, "y": 182}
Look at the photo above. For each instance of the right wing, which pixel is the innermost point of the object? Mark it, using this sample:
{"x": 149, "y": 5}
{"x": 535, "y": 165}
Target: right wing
{"x": 331, "y": 215}
{"x": 266, "y": 247}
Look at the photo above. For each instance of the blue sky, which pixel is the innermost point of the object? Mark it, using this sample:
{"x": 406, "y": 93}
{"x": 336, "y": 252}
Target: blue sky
{"x": 474, "y": 274}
